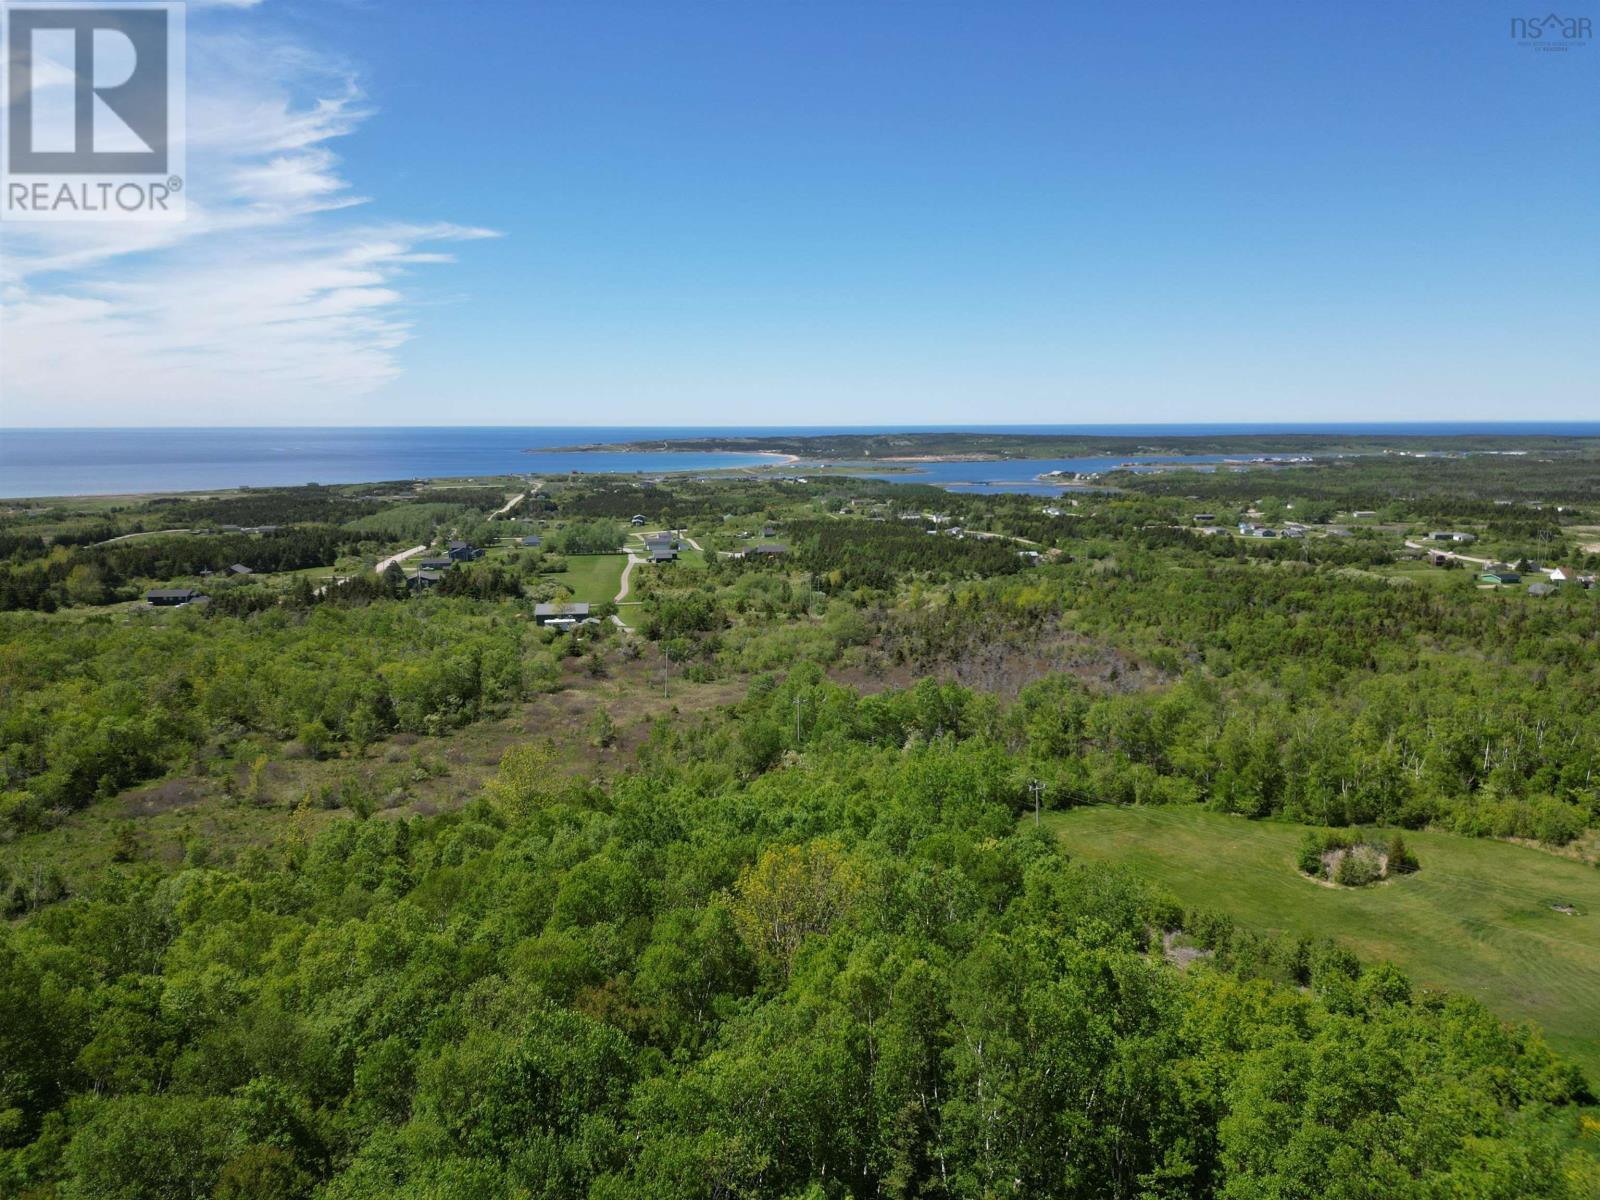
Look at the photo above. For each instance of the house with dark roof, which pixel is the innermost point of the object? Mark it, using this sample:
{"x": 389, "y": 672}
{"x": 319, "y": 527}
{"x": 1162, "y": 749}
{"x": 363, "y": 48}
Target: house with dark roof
{"x": 463, "y": 551}
{"x": 532, "y": 539}
{"x": 770, "y": 550}
{"x": 560, "y": 614}
{"x": 436, "y": 564}
{"x": 423, "y": 580}
{"x": 663, "y": 552}
{"x": 1500, "y": 577}
{"x": 172, "y": 597}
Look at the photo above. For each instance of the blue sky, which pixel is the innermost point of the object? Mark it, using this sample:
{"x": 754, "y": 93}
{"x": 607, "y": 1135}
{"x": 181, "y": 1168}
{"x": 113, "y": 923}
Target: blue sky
{"x": 782, "y": 212}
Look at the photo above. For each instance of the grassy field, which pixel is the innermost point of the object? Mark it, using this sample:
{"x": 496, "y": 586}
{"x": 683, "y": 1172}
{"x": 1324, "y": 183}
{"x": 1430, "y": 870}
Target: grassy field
{"x": 1475, "y": 919}
{"x": 593, "y": 578}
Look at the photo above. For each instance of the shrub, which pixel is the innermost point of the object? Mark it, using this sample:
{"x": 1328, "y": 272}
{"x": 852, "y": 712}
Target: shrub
{"x": 1358, "y": 866}
{"x": 1401, "y": 860}
{"x": 1309, "y": 859}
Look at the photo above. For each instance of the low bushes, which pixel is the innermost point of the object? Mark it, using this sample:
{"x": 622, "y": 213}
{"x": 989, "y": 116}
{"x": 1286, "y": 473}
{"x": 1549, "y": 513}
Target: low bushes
{"x": 1350, "y": 859}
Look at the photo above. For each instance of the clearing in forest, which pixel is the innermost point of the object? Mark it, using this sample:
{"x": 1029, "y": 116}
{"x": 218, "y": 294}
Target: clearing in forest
{"x": 1480, "y": 917}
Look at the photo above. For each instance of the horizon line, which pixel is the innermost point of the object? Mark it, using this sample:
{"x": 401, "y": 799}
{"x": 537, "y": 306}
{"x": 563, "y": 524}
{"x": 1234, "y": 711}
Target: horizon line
{"x": 835, "y": 426}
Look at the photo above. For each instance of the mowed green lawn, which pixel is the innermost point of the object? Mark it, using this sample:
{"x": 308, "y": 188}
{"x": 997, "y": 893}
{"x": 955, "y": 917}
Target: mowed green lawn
{"x": 593, "y": 578}
{"x": 1475, "y": 919}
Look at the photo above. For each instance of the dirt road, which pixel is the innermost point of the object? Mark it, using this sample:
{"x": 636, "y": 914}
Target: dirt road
{"x": 398, "y": 558}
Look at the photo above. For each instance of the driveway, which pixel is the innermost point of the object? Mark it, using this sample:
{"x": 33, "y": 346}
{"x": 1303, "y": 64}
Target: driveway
{"x": 1482, "y": 562}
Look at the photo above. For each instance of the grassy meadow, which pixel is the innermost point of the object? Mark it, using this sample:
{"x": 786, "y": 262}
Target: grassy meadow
{"x": 593, "y": 578}
{"x": 1477, "y": 918}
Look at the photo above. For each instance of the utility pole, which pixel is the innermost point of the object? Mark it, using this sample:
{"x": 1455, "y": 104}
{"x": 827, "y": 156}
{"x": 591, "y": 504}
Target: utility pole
{"x": 1036, "y": 789}
{"x": 798, "y": 701}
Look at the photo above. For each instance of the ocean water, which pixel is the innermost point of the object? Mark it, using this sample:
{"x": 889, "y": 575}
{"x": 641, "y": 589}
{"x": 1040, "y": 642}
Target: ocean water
{"x": 1021, "y": 475}
{"x": 64, "y": 462}
{"x": 73, "y": 462}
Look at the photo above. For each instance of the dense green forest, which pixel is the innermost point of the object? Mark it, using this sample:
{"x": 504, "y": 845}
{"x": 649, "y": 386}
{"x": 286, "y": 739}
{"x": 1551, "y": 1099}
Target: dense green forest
{"x": 801, "y": 936}
{"x": 851, "y": 974}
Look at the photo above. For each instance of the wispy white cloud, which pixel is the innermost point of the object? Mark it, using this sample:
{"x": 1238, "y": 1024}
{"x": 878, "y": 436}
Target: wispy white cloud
{"x": 275, "y": 300}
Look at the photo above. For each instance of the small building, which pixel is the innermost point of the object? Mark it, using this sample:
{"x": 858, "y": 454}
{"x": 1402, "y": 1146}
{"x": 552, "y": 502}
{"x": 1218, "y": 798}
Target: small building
{"x": 1500, "y": 577}
{"x": 637, "y": 519}
{"x": 532, "y": 539}
{"x": 1203, "y": 518}
{"x": 436, "y": 564}
{"x": 1364, "y": 514}
{"x": 566, "y": 615}
{"x": 1541, "y": 589}
{"x": 240, "y": 569}
{"x": 1560, "y": 575}
{"x": 1440, "y": 560}
{"x": 769, "y": 550}
{"x": 423, "y": 580}
{"x": 172, "y": 597}
{"x": 663, "y": 552}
